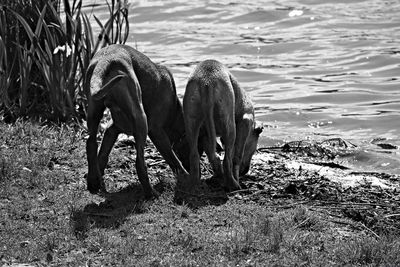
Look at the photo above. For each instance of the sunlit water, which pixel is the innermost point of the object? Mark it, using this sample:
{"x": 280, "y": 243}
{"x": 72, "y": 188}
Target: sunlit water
{"x": 315, "y": 69}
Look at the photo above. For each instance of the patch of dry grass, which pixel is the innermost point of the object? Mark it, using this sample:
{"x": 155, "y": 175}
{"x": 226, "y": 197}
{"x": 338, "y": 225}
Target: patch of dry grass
{"x": 48, "y": 218}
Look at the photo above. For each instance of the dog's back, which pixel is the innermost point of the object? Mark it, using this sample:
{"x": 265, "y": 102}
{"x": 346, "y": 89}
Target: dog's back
{"x": 119, "y": 57}
{"x": 212, "y": 80}
{"x": 210, "y": 90}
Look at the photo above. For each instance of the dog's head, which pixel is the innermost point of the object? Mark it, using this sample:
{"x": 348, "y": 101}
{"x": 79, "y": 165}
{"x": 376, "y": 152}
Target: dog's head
{"x": 249, "y": 149}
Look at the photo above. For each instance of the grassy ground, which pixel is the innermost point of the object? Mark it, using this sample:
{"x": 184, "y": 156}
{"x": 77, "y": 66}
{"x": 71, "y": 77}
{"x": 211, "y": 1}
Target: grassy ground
{"x": 283, "y": 218}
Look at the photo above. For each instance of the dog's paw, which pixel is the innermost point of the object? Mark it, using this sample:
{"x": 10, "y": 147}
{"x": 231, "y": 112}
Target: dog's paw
{"x": 232, "y": 186}
{"x": 95, "y": 186}
{"x": 215, "y": 181}
{"x": 92, "y": 188}
{"x": 151, "y": 194}
{"x": 182, "y": 178}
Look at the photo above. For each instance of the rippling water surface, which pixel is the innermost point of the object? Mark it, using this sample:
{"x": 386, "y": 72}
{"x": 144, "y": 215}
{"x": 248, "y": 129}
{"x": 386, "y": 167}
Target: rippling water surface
{"x": 315, "y": 69}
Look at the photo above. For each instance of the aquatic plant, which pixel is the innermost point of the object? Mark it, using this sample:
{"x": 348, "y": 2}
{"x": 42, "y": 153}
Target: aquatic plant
{"x": 44, "y": 52}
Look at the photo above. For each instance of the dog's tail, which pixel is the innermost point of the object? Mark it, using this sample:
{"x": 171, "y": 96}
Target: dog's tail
{"x": 104, "y": 89}
{"x": 207, "y": 92}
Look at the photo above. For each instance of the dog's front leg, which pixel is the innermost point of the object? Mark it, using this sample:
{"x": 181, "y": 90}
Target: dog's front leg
{"x": 242, "y": 132}
{"x": 210, "y": 148}
{"x": 161, "y": 141}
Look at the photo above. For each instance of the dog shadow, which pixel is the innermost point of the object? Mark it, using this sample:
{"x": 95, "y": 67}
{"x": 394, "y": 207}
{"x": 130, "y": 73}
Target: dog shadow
{"x": 117, "y": 206}
{"x": 113, "y": 211}
{"x": 208, "y": 193}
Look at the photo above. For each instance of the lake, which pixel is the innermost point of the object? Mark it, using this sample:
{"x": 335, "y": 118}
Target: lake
{"x": 315, "y": 69}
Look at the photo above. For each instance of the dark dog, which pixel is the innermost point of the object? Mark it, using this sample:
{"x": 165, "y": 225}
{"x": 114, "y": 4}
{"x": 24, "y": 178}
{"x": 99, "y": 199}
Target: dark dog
{"x": 142, "y": 100}
{"x": 214, "y": 100}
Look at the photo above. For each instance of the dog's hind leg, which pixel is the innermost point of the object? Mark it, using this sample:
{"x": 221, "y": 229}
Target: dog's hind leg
{"x": 94, "y": 178}
{"x": 110, "y": 136}
{"x": 210, "y": 148}
{"x": 193, "y": 122}
{"x": 140, "y": 129}
{"x": 229, "y": 137}
{"x": 226, "y": 112}
{"x": 193, "y": 129}
{"x": 140, "y": 135}
{"x": 141, "y": 168}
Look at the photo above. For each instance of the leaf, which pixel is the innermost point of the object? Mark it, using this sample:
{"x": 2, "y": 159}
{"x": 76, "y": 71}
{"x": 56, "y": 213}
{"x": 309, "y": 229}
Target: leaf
{"x": 59, "y": 23}
{"x": 25, "y": 24}
{"x": 88, "y": 32}
{"x": 40, "y": 22}
{"x": 98, "y": 22}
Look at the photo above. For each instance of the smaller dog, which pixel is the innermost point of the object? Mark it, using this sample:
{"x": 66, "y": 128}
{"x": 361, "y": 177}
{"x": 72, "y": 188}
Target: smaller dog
{"x": 214, "y": 100}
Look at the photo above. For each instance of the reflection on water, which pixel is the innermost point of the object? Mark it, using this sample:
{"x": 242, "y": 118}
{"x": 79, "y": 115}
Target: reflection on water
{"x": 314, "y": 68}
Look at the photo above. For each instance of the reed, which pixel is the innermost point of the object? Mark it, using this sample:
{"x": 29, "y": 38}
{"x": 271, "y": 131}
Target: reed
{"x": 44, "y": 54}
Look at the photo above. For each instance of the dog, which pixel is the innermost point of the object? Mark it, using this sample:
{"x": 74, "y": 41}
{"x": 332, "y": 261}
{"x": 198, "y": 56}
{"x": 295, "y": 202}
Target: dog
{"x": 214, "y": 100}
{"x": 142, "y": 99}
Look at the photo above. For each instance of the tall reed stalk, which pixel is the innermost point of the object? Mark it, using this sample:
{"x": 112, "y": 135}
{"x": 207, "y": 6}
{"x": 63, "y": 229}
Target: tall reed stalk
{"x": 44, "y": 54}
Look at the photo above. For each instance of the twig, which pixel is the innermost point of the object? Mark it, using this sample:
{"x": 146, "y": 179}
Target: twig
{"x": 99, "y": 214}
{"x": 355, "y": 204}
{"x": 301, "y": 223}
{"x": 263, "y": 149}
{"x": 258, "y": 191}
{"x": 189, "y": 193}
{"x": 289, "y": 205}
{"x": 155, "y": 163}
{"x": 242, "y": 190}
{"x": 392, "y": 215}
{"x": 344, "y": 222}
{"x": 198, "y": 195}
{"x": 205, "y": 167}
{"x": 369, "y": 230}
{"x": 356, "y": 225}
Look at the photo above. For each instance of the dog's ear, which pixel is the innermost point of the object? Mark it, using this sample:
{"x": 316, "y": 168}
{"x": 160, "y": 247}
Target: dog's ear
{"x": 258, "y": 130}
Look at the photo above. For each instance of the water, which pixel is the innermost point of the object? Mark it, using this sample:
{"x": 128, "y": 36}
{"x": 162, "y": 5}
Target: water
{"x": 315, "y": 69}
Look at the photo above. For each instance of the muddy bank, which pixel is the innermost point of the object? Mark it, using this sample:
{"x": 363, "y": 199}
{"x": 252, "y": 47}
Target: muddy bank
{"x": 292, "y": 174}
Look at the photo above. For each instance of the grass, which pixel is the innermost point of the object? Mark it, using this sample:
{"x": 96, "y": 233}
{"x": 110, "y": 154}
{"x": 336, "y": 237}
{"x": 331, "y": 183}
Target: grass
{"x": 48, "y": 218}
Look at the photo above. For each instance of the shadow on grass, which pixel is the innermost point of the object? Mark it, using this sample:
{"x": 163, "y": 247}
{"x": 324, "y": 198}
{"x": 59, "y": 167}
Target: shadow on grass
{"x": 207, "y": 194}
{"x": 117, "y": 206}
{"x": 113, "y": 211}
